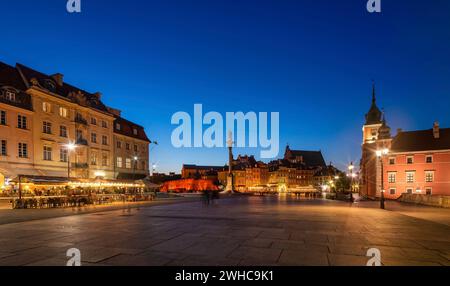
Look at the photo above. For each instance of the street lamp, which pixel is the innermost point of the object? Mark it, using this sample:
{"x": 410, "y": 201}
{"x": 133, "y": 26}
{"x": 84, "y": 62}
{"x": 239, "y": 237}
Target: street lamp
{"x": 135, "y": 159}
{"x": 380, "y": 154}
{"x": 70, "y": 147}
{"x": 352, "y": 176}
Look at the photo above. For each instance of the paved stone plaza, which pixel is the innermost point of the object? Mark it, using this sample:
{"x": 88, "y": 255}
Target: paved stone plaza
{"x": 237, "y": 231}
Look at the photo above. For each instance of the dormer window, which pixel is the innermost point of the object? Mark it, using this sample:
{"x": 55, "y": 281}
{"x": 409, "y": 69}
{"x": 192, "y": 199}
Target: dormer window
{"x": 135, "y": 132}
{"x": 118, "y": 126}
{"x": 10, "y": 95}
{"x": 50, "y": 85}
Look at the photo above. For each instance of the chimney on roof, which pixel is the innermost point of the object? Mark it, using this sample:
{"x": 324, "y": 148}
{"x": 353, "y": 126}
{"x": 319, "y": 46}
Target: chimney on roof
{"x": 58, "y": 78}
{"x": 115, "y": 111}
{"x": 436, "y": 130}
{"x": 98, "y": 95}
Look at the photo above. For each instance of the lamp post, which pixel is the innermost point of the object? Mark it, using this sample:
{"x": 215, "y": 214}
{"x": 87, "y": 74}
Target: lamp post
{"x": 350, "y": 168}
{"x": 380, "y": 154}
{"x": 150, "y": 163}
{"x": 135, "y": 159}
{"x": 70, "y": 147}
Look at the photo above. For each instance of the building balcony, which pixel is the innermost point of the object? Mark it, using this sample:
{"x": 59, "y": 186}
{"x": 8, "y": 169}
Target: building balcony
{"x": 81, "y": 120}
{"x": 80, "y": 165}
{"x": 81, "y": 141}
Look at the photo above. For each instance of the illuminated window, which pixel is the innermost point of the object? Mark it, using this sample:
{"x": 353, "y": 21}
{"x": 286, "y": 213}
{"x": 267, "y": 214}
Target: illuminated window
{"x": 410, "y": 176}
{"x": 94, "y": 158}
{"x": 21, "y": 122}
{"x": 118, "y": 126}
{"x": 119, "y": 162}
{"x": 23, "y": 150}
{"x": 135, "y": 132}
{"x": 63, "y": 155}
{"x": 128, "y": 163}
{"x": 46, "y": 107}
{"x": 392, "y": 177}
{"x": 104, "y": 159}
{"x": 10, "y": 95}
{"x": 429, "y": 176}
{"x": 47, "y": 127}
{"x": 47, "y": 153}
{"x": 63, "y": 112}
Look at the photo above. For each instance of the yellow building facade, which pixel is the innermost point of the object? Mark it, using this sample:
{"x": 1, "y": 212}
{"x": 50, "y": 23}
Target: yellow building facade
{"x": 49, "y": 128}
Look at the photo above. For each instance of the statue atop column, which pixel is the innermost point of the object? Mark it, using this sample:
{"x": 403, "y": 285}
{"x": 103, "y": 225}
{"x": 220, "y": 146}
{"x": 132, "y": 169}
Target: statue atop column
{"x": 230, "y": 187}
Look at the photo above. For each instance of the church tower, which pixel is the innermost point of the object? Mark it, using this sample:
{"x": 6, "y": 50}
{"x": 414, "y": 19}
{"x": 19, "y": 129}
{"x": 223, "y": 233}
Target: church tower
{"x": 376, "y": 136}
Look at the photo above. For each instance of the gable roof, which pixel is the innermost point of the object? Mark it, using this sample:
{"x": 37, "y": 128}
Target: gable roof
{"x": 309, "y": 158}
{"x": 421, "y": 140}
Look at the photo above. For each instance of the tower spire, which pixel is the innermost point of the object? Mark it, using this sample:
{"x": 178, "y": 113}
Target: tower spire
{"x": 373, "y": 92}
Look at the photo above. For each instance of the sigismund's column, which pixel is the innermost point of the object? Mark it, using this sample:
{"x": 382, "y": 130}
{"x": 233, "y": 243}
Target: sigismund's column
{"x": 230, "y": 187}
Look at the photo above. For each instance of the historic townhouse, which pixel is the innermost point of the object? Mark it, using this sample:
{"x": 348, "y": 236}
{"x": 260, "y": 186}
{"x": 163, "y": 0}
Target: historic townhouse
{"x": 16, "y": 124}
{"x": 49, "y": 128}
{"x": 131, "y": 149}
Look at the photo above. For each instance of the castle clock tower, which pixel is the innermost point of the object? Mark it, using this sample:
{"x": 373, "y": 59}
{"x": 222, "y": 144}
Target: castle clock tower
{"x": 376, "y": 135}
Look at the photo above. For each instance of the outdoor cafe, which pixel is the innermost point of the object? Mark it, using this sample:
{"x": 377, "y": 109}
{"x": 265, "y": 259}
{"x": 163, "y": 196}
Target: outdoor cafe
{"x": 56, "y": 192}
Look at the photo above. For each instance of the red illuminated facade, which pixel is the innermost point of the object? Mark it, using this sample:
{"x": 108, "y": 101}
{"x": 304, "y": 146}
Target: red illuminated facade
{"x": 415, "y": 162}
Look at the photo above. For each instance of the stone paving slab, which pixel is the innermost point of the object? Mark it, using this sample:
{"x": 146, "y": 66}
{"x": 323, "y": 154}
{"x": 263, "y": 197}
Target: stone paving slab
{"x": 250, "y": 231}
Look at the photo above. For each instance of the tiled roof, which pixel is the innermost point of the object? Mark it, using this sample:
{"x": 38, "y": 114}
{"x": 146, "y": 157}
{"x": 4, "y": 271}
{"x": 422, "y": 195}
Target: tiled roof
{"x": 421, "y": 140}
{"x": 126, "y": 129}
{"x": 68, "y": 91}
{"x": 22, "y": 77}
{"x": 309, "y": 158}
{"x": 10, "y": 78}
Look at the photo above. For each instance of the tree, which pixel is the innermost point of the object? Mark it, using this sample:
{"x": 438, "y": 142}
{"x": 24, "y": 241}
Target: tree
{"x": 343, "y": 183}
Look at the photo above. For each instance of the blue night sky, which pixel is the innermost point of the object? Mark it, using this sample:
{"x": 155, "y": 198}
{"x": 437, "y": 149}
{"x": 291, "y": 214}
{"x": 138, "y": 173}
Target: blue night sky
{"x": 313, "y": 61}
